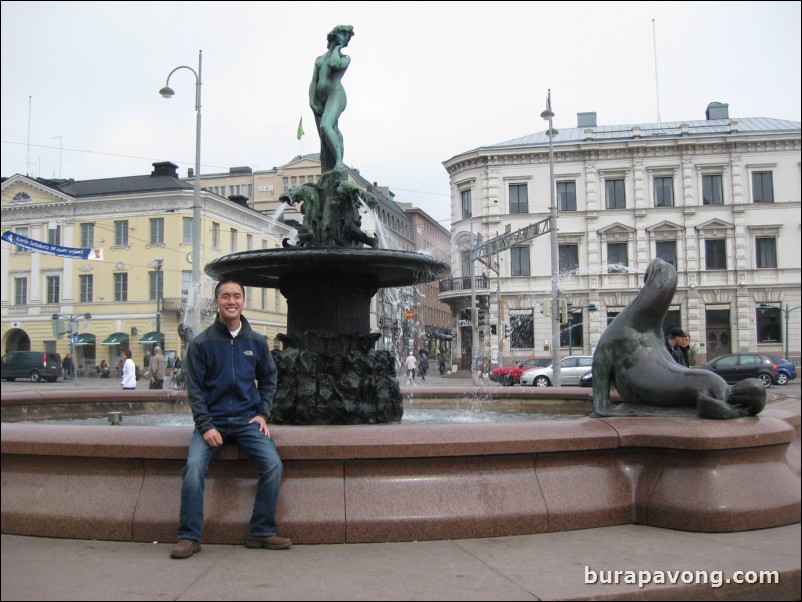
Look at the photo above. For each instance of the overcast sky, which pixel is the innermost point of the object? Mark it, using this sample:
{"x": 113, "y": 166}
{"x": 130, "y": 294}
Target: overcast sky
{"x": 427, "y": 80}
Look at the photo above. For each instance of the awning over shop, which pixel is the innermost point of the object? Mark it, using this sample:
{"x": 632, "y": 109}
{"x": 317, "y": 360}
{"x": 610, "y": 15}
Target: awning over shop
{"x": 118, "y": 338}
{"x": 83, "y": 339}
{"x": 150, "y": 339}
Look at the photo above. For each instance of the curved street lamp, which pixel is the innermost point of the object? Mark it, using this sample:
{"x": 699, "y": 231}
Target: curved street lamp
{"x": 548, "y": 115}
{"x": 167, "y": 92}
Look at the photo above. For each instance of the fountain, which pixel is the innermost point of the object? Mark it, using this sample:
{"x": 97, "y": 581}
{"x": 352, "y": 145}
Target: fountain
{"x": 353, "y": 482}
{"x": 328, "y": 370}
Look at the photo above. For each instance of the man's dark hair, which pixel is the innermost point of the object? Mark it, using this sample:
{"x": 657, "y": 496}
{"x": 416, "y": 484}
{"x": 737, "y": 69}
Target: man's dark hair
{"x": 676, "y": 332}
{"x": 226, "y": 281}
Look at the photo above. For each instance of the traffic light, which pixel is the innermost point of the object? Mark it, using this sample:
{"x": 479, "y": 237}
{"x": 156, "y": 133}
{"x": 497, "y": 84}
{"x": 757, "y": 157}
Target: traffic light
{"x": 481, "y": 317}
{"x": 563, "y": 311}
{"x": 547, "y": 307}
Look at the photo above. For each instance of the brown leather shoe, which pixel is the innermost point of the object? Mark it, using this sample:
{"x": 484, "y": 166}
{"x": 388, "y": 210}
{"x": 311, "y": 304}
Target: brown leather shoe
{"x": 185, "y": 548}
{"x": 274, "y": 542}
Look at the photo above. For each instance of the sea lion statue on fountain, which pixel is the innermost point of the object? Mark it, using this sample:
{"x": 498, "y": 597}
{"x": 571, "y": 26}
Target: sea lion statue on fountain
{"x": 632, "y": 356}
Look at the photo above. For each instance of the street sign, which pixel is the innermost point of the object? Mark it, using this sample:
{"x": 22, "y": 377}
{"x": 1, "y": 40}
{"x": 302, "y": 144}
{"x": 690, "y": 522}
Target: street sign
{"x": 510, "y": 239}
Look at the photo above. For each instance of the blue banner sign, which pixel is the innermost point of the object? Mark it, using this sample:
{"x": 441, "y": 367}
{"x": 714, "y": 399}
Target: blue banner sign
{"x": 38, "y": 246}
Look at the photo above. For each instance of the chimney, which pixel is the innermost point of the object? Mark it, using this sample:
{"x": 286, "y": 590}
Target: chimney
{"x": 586, "y": 120}
{"x": 717, "y": 110}
{"x": 190, "y": 172}
{"x": 239, "y": 199}
{"x": 164, "y": 168}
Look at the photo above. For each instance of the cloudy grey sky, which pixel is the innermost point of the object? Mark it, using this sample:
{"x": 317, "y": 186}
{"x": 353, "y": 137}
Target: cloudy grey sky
{"x": 427, "y": 81}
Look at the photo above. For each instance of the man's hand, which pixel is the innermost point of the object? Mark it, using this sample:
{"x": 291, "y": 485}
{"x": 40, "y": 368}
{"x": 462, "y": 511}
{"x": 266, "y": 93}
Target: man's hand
{"x": 262, "y": 424}
{"x": 213, "y": 438}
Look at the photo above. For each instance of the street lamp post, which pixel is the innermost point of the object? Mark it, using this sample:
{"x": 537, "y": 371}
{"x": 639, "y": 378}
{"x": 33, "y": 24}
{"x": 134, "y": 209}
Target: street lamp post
{"x": 788, "y": 311}
{"x": 72, "y": 334}
{"x": 158, "y": 264}
{"x": 548, "y": 114}
{"x": 167, "y": 92}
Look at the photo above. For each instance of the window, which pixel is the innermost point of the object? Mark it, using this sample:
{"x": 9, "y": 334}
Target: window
{"x": 569, "y": 258}
{"x": 53, "y": 285}
{"x": 768, "y": 324}
{"x": 121, "y": 233}
{"x": 121, "y": 287}
{"x": 249, "y": 242}
{"x": 712, "y": 190}
{"x": 571, "y": 334}
{"x": 522, "y": 334}
{"x": 617, "y": 260}
{"x": 156, "y": 285}
{"x": 715, "y": 254}
{"x": 667, "y": 251}
{"x": 87, "y": 236}
{"x": 566, "y": 196}
{"x": 233, "y": 240}
{"x": 186, "y": 237}
{"x": 519, "y": 198}
{"x": 215, "y": 235}
{"x": 766, "y": 252}
{"x": 54, "y": 235}
{"x": 157, "y": 231}
{"x": 466, "y": 264}
{"x": 466, "y": 204}
{"x": 664, "y": 192}
{"x": 20, "y": 291}
{"x": 762, "y": 187}
{"x": 520, "y": 261}
{"x": 186, "y": 281}
{"x": 286, "y": 184}
{"x": 87, "y": 288}
{"x": 614, "y": 195}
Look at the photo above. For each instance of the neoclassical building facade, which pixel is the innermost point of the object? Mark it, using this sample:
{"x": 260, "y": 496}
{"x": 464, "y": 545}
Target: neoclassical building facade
{"x": 718, "y": 198}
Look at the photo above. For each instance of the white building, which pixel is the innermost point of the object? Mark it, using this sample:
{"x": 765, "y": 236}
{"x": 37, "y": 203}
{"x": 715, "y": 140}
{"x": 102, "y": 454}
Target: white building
{"x": 718, "y": 198}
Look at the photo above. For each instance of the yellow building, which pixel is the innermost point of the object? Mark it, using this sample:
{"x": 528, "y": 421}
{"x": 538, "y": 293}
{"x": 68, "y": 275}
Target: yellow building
{"x": 140, "y": 283}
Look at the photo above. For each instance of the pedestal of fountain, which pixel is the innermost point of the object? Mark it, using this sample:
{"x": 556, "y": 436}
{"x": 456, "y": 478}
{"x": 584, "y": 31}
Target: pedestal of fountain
{"x": 328, "y": 370}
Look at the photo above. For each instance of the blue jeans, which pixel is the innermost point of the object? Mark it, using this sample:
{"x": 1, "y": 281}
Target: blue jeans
{"x": 260, "y": 448}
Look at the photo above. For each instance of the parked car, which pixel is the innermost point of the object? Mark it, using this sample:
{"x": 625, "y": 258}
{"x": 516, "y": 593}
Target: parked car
{"x": 33, "y": 365}
{"x": 785, "y": 370}
{"x": 586, "y": 380}
{"x": 571, "y": 369}
{"x": 510, "y": 375}
{"x": 736, "y": 367}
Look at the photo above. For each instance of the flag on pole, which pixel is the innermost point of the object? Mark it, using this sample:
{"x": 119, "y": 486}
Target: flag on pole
{"x": 301, "y": 127}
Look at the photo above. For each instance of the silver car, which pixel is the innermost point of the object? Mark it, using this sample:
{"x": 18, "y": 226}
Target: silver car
{"x": 572, "y": 368}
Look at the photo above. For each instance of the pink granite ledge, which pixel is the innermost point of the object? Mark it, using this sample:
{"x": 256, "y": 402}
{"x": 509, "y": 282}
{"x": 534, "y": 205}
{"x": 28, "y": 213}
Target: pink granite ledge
{"x": 317, "y": 442}
{"x": 18, "y": 398}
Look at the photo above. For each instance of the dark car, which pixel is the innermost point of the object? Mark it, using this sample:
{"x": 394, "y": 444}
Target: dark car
{"x": 510, "y": 375}
{"x": 785, "y": 370}
{"x": 33, "y": 365}
{"x": 587, "y": 380}
{"x": 736, "y": 367}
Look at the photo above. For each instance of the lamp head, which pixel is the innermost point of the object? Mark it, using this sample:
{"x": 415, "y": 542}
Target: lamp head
{"x": 167, "y": 92}
{"x": 547, "y": 114}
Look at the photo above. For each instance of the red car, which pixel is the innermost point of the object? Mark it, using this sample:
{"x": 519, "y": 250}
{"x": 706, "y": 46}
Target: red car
{"x": 512, "y": 374}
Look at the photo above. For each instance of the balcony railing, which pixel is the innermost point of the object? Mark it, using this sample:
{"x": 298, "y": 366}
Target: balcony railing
{"x": 463, "y": 283}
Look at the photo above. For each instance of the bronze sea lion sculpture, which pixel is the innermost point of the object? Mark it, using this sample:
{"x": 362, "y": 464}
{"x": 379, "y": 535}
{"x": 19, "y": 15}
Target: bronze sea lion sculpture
{"x": 632, "y": 355}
